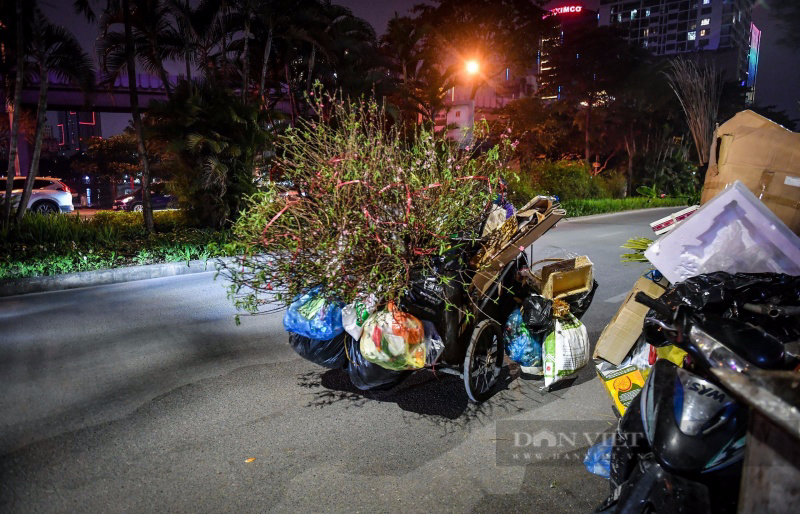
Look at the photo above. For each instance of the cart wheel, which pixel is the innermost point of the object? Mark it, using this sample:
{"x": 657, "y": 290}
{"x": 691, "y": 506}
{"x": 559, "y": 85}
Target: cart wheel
{"x": 483, "y": 361}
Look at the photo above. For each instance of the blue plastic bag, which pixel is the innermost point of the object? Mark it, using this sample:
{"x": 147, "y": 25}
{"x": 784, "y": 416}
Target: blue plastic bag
{"x": 314, "y": 317}
{"x": 522, "y": 347}
{"x": 598, "y": 458}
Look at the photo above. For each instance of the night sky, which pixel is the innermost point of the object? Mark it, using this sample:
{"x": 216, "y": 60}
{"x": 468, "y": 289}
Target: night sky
{"x": 778, "y": 80}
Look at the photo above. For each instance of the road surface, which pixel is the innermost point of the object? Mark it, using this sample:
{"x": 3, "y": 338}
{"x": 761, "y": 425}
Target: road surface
{"x": 145, "y": 397}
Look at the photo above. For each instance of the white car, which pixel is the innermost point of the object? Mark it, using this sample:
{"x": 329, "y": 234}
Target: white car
{"x": 49, "y": 195}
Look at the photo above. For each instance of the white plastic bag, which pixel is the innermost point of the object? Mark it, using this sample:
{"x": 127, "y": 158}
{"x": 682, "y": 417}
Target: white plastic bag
{"x": 355, "y": 314}
{"x": 566, "y": 349}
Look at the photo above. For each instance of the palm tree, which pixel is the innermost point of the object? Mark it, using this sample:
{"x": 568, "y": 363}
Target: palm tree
{"x": 55, "y": 50}
{"x": 19, "y": 48}
{"x": 402, "y": 45}
{"x": 155, "y": 36}
{"x": 85, "y": 7}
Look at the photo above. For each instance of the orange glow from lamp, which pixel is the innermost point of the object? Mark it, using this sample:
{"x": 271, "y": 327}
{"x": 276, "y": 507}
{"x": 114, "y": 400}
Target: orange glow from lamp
{"x": 472, "y": 67}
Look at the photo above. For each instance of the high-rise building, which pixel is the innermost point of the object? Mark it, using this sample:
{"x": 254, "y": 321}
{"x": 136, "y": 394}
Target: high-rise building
{"x": 75, "y": 130}
{"x": 571, "y": 18}
{"x": 672, "y": 27}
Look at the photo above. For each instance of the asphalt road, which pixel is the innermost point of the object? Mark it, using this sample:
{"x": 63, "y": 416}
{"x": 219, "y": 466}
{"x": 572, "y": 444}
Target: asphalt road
{"x": 145, "y": 397}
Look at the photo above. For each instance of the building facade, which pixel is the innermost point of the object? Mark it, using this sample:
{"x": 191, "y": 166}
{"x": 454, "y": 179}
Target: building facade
{"x": 674, "y": 27}
{"x": 75, "y": 130}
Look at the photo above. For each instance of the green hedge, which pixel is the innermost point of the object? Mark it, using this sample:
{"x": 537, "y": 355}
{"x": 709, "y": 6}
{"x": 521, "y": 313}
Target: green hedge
{"x": 589, "y": 206}
{"x": 51, "y": 245}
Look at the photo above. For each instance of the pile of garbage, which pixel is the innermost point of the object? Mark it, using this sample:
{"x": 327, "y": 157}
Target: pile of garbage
{"x": 378, "y": 343}
{"x": 687, "y": 354}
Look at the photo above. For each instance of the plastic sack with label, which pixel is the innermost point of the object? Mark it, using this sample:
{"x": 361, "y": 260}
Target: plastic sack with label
{"x": 355, "y": 314}
{"x": 330, "y": 353}
{"x": 366, "y": 375}
{"x": 394, "y": 340}
{"x": 313, "y": 316}
{"x": 522, "y": 347}
{"x": 566, "y": 349}
{"x": 598, "y": 458}
{"x": 434, "y": 346}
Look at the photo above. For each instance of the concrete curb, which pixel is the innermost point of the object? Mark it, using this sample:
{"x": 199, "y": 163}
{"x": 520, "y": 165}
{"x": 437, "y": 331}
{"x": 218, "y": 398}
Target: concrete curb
{"x": 18, "y": 286}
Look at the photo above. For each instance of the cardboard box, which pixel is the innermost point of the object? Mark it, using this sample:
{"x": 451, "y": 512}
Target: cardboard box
{"x": 762, "y": 154}
{"x": 622, "y": 384}
{"x": 564, "y": 277}
{"x": 625, "y": 327}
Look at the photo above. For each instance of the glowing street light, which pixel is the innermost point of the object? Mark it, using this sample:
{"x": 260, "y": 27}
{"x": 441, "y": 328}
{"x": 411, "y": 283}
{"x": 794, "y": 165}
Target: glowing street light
{"x": 472, "y": 67}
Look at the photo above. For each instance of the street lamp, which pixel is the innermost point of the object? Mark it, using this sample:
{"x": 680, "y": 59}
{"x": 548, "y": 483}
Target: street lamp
{"x": 472, "y": 67}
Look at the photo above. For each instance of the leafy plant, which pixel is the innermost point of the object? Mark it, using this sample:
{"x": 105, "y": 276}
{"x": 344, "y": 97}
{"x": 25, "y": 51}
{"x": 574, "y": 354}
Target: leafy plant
{"x": 358, "y": 207}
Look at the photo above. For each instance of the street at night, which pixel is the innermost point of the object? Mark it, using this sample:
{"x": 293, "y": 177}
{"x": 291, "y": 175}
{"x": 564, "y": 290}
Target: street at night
{"x": 145, "y": 396}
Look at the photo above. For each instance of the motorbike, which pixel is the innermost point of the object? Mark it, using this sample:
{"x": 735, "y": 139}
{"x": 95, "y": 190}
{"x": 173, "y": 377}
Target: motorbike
{"x": 680, "y": 445}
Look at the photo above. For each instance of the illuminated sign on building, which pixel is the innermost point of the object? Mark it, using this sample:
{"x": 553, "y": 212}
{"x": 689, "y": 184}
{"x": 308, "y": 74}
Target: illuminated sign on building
{"x": 567, "y": 9}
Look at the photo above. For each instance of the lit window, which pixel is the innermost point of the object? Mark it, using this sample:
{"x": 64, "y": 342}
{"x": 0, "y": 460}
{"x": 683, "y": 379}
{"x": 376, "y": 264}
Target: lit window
{"x": 706, "y": 2}
{"x": 692, "y": 35}
{"x": 619, "y": 17}
{"x": 633, "y": 13}
{"x": 703, "y": 32}
{"x": 647, "y": 12}
{"x": 705, "y": 21}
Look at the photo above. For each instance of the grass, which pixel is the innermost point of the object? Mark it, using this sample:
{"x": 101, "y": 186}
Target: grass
{"x": 51, "y": 245}
{"x": 589, "y": 206}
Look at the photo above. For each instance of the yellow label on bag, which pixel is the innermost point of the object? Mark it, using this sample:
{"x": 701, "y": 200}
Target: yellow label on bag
{"x": 623, "y": 385}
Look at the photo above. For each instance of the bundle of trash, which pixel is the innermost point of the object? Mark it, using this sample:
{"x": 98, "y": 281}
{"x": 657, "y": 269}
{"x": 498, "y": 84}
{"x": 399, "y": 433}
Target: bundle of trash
{"x": 378, "y": 343}
{"x": 544, "y": 334}
{"x": 701, "y": 257}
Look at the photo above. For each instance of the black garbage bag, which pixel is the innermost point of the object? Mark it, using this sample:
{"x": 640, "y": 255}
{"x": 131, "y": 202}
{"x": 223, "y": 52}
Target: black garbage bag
{"x": 366, "y": 375}
{"x": 721, "y": 294}
{"x": 579, "y": 303}
{"x": 537, "y": 314}
{"x": 330, "y": 354}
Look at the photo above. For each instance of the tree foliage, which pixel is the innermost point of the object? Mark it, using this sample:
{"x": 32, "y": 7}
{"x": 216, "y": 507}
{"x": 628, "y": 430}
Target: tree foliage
{"x": 358, "y": 207}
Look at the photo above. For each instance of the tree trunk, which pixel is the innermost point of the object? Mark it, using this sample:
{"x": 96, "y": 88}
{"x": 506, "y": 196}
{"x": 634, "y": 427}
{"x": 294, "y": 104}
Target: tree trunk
{"x": 224, "y": 39}
{"x": 147, "y": 205}
{"x": 165, "y": 79}
{"x": 289, "y": 89}
{"x": 41, "y": 110}
{"x": 16, "y": 109}
{"x": 586, "y": 132}
{"x": 311, "y": 67}
{"x": 188, "y": 62}
{"x": 629, "y": 147}
{"x": 246, "y": 59}
{"x": 267, "y": 50}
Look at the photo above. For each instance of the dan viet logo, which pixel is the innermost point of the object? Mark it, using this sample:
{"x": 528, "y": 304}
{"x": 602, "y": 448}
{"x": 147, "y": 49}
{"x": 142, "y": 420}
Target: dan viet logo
{"x": 548, "y": 442}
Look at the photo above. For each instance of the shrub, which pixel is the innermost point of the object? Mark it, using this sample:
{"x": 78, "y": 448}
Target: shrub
{"x": 218, "y": 142}
{"x": 359, "y": 208}
{"x": 565, "y": 179}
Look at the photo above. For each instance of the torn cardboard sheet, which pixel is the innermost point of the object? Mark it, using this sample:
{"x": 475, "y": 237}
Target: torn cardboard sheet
{"x": 621, "y": 333}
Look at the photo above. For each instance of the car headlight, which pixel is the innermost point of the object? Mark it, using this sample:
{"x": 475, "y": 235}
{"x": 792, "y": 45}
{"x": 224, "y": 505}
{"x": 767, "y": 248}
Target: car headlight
{"x": 126, "y": 200}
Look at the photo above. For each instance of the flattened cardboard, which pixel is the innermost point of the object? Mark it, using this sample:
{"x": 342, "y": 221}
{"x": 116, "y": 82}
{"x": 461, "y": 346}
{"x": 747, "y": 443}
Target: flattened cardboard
{"x": 763, "y": 155}
{"x": 625, "y": 327}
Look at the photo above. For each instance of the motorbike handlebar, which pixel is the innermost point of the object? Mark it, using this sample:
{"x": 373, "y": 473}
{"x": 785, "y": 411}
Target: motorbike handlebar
{"x": 654, "y": 304}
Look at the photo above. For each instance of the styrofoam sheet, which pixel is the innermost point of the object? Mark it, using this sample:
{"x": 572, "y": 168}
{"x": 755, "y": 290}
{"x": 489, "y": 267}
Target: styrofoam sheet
{"x": 734, "y": 232}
